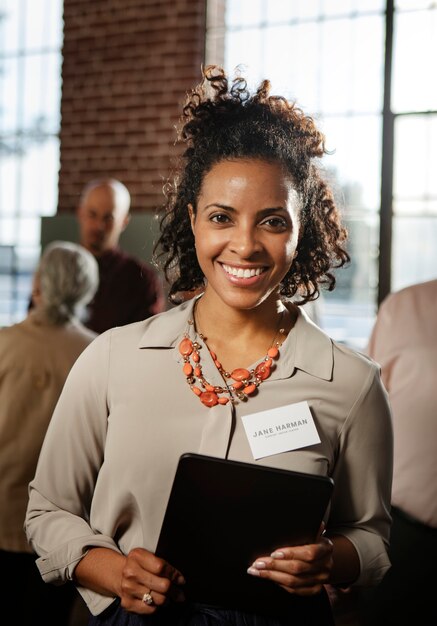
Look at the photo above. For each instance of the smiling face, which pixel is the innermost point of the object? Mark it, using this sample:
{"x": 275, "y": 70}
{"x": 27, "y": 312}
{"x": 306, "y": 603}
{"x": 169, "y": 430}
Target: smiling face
{"x": 246, "y": 230}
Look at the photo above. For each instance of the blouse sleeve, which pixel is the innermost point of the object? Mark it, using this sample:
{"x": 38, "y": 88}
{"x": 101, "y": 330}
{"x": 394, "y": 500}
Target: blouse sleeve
{"x": 60, "y": 494}
{"x": 363, "y": 476}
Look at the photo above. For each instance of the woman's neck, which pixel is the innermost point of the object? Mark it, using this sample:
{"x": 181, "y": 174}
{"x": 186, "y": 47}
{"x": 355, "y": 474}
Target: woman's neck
{"x": 241, "y": 337}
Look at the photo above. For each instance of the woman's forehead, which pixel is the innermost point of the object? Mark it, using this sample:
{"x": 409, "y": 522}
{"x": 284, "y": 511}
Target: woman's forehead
{"x": 250, "y": 177}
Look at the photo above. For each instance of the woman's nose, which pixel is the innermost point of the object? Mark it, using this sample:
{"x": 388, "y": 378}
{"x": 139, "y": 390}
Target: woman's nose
{"x": 245, "y": 242}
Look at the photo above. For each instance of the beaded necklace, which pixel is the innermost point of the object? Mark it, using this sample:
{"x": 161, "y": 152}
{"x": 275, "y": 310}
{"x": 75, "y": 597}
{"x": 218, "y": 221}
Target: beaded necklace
{"x": 244, "y": 382}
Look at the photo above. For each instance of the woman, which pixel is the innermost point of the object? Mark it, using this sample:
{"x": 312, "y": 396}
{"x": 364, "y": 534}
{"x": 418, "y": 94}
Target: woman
{"x": 249, "y": 225}
{"x": 36, "y": 356}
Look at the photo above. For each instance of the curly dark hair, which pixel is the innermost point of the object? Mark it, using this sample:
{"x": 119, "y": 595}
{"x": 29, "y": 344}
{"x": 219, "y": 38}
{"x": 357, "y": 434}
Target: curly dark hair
{"x": 222, "y": 120}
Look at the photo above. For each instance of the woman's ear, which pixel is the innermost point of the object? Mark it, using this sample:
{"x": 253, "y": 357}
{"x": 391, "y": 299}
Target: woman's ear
{"x": 192, "y": 215}
{"x": 36, "y": 289}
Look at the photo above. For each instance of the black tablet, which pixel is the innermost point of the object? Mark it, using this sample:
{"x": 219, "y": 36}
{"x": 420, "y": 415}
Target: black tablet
{"x": 222, "y": 515}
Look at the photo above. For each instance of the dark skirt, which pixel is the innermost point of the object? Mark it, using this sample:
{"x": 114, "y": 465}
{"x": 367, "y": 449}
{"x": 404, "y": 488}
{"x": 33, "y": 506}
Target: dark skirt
{"x": 314, "y": 611}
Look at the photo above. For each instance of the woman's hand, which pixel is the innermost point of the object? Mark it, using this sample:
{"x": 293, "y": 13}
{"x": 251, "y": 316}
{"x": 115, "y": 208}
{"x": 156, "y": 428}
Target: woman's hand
{"x": 302, "y": 570}
{"x": 148, "y": 582}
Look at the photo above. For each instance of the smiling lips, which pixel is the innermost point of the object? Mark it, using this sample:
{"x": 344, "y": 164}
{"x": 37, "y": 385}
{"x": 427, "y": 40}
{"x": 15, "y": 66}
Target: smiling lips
{"x": 239, "y": 272}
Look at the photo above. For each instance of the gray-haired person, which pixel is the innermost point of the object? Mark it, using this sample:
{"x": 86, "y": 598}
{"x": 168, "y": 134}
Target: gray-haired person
{"x": 36, "y": 356}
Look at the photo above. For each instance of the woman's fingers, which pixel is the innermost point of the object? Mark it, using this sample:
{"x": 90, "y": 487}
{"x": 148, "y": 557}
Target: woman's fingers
{"x": 302, "y": 584}
{"x": 299, "y": 569}
{"x": 149, "y": 582}
{"x": 297, "y": 559}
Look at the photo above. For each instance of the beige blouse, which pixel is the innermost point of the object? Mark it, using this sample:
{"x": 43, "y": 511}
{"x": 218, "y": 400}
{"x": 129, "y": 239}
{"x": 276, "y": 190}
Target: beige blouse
{"x": 126, "y": 415}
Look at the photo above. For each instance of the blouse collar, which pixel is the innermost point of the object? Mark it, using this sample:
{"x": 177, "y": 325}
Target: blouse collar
{"x": 307, "y": 347}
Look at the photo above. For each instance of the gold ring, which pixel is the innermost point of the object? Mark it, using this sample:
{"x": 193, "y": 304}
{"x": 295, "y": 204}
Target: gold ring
{"x": 147, "y": 598}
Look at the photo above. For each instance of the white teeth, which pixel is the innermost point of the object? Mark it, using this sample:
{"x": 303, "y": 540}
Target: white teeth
{"x": 238, "y": 272}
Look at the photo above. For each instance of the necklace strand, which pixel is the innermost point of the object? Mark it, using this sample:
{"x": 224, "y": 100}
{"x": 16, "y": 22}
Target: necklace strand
{"x": 244, "y": 382}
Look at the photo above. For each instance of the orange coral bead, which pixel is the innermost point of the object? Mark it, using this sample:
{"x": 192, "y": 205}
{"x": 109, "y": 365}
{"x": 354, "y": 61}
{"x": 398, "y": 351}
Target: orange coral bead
{"x": 208, "y": 398}
{"x": 262, "y": 371}
{"x": 268, "y": 362}
{"x": 213, "y": 355}
{"x": 187, "y": 369}
{"x": 223, "y": 400}
{"x": 209, "y": 387}
{"x": 240, "y": 374}
{"x": 197, "y": 371}
{"x": 186, "y": 347}
{"x": 196, "y": 357}
{"x": 237, "y": 385}
{"x": 196, "y": 390}
{"x": 273, "y": 352}
{"x": 249, "y": 389}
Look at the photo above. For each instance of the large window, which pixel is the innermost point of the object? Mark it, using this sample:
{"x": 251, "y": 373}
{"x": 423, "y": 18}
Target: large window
{"x": 414, "y": 107}
{"x": 30, "y": 85}
{"x": 364, "y": 70}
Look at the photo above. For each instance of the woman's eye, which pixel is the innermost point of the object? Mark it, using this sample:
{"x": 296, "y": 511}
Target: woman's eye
{"x": 219, "y": 218}
{"x": 276, "y": 223}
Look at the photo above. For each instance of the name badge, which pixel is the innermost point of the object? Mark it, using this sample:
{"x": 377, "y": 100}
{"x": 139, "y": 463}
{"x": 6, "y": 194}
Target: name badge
{"x": 280, "y": 430}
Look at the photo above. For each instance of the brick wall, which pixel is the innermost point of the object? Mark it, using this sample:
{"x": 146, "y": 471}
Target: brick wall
{"x": 126, "y": 68}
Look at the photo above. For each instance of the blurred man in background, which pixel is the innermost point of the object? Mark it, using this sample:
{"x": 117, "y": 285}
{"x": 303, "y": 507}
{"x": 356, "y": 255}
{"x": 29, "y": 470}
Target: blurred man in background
{"x": 130, "y": 290}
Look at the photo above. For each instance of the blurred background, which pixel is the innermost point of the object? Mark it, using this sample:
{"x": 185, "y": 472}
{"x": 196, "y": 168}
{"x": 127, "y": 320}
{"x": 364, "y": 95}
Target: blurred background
{"x": 94, "y": 88}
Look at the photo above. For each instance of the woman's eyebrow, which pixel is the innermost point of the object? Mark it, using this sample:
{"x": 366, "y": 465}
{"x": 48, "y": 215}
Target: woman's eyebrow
{"x": 275, "y": 209}
{"x": 225, "y": 207}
